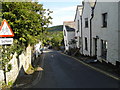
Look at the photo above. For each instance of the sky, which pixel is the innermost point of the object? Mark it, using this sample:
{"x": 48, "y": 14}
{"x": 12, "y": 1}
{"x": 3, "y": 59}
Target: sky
{"x": 63, "y": 10}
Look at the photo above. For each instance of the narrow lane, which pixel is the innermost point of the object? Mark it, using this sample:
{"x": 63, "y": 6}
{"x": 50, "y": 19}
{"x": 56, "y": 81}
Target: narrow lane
{"x": 64, "y": 72}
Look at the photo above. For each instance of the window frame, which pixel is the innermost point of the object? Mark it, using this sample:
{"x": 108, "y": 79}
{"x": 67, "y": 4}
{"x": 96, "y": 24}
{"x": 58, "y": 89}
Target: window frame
{"x": 104, "y": 48}
{"x": 86, "y": 23}
{"x": 86, "y": 44}
{"x": 78, "y": 25}
{"x": 104, "y": 20}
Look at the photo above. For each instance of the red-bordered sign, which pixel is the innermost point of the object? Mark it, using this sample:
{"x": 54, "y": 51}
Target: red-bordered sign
{"x": 5, "y": 30}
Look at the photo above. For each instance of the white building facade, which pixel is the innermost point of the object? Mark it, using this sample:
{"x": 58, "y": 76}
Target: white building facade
{"x": 69, "y": 34}
{"x": 105, "y": 30}
{"x": 97, "y": 30}
{"x": 86, "y": 15}
{"x": 78, "y": 27}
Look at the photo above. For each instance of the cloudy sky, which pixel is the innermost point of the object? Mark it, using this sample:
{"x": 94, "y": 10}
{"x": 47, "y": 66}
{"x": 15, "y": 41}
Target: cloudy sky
{"x": 63, "y": 10}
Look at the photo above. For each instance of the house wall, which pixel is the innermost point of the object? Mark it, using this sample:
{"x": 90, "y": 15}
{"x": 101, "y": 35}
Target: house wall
{"x": 86, "y": 31}
{"x": 110, "y": 34}
{"x": 69, "y": 35}
{"x": 65, "y": 38}
{"x": 78, "y": 34}
{"x": 119, "y": 31}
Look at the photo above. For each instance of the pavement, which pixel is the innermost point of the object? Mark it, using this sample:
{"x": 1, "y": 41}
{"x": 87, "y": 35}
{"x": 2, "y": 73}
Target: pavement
{"x": 25, "y": 81}
{"x": 28, "y": 81}
{"x": 103, "y": 67}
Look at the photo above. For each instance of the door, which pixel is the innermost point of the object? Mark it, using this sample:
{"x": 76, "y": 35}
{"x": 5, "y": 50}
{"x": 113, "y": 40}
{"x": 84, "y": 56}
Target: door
{"x": 95, "y": 47}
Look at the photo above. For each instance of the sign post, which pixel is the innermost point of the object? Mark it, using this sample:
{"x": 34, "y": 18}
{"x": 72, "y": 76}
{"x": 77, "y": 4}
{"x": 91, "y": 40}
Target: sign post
{"x": 5, "y": 34}
{"x": 5, "y": 31}
{"x": 6, "y": 41}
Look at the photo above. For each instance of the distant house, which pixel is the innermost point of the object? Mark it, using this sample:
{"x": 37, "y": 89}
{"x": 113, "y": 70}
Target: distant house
{"x": 105, "y": 32}
{"x": 69, "y": 34}
{"x": 78, "y": 27}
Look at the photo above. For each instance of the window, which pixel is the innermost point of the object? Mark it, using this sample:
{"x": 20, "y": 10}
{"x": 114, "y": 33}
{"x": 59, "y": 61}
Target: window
{"x": 64, "y": 33}
{"x": 104, "y": 20}
{"x": 78, "y": 26}
{"x": 86, "y": 22}
{"x": 86, "y": 46}
{"x": 104, "y": 48}
{"x": 66, "y": 42}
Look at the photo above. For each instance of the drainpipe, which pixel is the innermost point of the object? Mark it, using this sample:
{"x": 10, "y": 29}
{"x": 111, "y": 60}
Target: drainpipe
{"x": 81, "y": 35}
{"x": 92, "y": 15}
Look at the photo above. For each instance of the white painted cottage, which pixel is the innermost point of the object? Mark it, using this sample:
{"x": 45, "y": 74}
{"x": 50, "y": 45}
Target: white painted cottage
{"x": 98, "y": 25}
{"x": 105, "y": 31}
{"x": 78, "y": 27}
{"x": 69, "y": 34}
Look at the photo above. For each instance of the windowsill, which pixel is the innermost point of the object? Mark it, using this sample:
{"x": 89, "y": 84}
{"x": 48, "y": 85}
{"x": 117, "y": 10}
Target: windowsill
{"x": 103, "y": 26}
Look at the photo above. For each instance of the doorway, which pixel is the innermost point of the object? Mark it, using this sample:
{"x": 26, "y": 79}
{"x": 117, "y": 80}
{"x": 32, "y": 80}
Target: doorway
{"x": 95, "y": 47}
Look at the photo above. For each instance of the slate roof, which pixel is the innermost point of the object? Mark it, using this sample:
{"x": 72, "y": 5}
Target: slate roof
{"x": 69, "y": 28}
{"x": 70, "y": 25}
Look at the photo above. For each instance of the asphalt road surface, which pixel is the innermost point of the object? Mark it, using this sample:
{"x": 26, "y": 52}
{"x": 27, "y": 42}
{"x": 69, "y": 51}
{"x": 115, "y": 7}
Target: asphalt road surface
{"x": 61, "y": 71}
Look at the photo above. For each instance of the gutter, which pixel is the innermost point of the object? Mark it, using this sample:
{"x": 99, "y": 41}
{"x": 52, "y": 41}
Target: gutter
{"x": 92, "y": 15}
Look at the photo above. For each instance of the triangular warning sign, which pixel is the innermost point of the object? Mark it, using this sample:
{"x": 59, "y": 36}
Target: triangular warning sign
{"x": 5, "y": 30}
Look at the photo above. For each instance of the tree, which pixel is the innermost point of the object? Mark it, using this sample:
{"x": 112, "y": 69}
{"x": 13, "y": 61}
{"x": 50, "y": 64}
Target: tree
{"x": 28, "y": 21}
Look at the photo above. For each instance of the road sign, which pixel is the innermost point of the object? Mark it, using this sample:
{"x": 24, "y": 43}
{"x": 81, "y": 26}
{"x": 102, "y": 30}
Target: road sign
{"x": 5, "y": 30}
{"x": 5, "y": 41}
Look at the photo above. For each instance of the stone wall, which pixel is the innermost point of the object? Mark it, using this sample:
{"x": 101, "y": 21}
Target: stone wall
{"x": 17, "y": 64}
{"x": 1, "y": 77}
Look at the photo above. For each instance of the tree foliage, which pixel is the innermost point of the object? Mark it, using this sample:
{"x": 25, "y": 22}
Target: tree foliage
{"x": 54, "y": 36}
{"x": 28, "y": 21}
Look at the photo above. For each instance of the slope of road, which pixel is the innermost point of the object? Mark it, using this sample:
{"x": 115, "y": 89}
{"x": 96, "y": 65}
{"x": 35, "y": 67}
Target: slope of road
{"x": 64, "y": 72}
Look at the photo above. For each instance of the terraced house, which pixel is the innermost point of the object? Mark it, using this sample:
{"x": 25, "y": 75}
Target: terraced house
{"x": 105, "y": 31}
{"x": 97, "y": 29}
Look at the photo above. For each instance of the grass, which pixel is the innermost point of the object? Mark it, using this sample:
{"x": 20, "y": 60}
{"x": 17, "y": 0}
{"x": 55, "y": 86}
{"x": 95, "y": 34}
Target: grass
{"x": 30, "y": 70}
{"x": 7, "y": 87}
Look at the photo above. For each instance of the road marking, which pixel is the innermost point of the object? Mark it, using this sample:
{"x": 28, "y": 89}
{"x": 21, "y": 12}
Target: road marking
{"x": 39, "y": 76}
{"x": 99, "y": 70}
{"x": 40, "y": 73}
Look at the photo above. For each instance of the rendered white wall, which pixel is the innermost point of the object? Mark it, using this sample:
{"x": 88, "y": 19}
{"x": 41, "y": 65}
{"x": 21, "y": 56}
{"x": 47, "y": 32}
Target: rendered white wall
{"x": 78, "y": 34}
{"x": 86, "y": 31}
{"x": 110, "y": 34}
{"x": 69, "y": 35}
{"x": 119, "y": 32}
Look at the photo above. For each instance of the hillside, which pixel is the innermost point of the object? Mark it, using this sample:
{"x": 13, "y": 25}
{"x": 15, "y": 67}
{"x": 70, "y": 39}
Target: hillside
{"x": 55, "y": 28}
{"x": 54, "y": 37}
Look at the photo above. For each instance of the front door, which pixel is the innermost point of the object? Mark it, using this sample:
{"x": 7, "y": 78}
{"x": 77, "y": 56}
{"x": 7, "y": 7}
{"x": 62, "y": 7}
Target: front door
{"x": 95, "y": 47}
